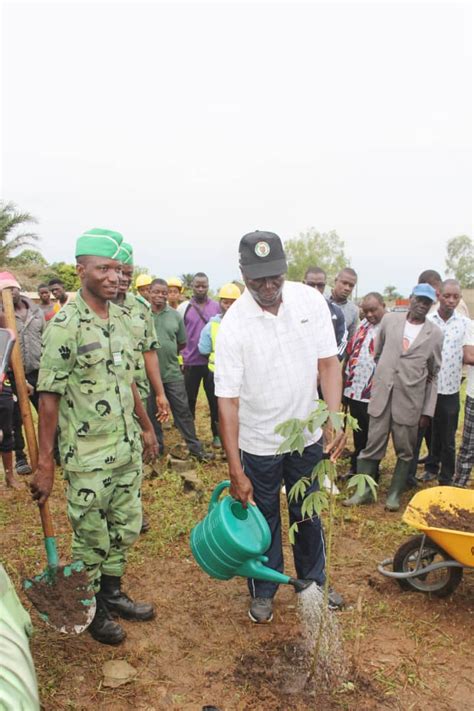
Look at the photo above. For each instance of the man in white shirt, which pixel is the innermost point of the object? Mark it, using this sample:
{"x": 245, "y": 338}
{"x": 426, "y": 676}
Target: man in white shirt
{"x": 466, "y": 453}
{"x": 270, "y": 348}
{"x": 442, "y": 456}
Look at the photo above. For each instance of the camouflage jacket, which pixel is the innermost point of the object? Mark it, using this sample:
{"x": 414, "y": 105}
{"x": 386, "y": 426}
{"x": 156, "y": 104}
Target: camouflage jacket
{"x": 89, "y": 361}
{"x": 144, "y": 337}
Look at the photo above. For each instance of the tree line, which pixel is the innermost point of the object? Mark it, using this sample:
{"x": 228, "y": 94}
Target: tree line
{"x": 307, "y": 249}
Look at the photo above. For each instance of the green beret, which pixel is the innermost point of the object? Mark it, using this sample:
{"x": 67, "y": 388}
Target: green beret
{"x": 99, "y": 243}
{"x": 126, "y": 253}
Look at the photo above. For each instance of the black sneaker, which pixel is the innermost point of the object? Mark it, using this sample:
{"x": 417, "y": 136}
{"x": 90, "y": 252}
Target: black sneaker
{"x": 22, "y": 467}
{"x": 261, "y": 610}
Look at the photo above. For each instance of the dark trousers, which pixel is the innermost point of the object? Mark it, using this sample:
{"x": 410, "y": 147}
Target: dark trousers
{"x": 19, "y": 442}
{"x": 358, "y": 410}
{"x": 442, "y": 458}
{"x": 423, "y": 434}
{"x": 193, "y": 375}
{"x": 6, "y": 422}
{"x": 183, "y": 419}
{"x": 267, "y": 473}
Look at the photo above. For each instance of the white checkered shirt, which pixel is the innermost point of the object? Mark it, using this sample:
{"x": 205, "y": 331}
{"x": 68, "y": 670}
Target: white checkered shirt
{"x": 271, "y": 363}
{"x": 450, "y": 374}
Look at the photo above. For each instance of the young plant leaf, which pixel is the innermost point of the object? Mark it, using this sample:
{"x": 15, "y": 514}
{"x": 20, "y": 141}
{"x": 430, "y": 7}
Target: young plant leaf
{"x": 298, "y": 444}
{"x": 357, "y": 481}
{"x": 298, "y": 490}
{"x": 352, "y": 423}
{"x": 291, "y": 533}
{"x": 337, "y": 419}
{"x": 319, "y": 501}
{"x": 372, "y": 484}
{"x": 317, "y": 419}
{"x": 288, "y": 428}
{"x": 307, "y": 507}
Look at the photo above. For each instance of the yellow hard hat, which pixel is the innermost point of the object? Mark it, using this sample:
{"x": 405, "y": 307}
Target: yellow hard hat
{"x": 174, "y": 281}
{"x": 143, "y": 280}
{"x": 229, "y": 291}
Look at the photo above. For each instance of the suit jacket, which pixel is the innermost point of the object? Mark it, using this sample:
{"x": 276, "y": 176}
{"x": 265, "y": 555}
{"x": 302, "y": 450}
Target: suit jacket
{"x": 409, "y": 377}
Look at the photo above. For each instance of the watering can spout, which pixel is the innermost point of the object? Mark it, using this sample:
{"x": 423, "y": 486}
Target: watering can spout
{"x": 255, "y": 568}
{"x": 300, "y": 585}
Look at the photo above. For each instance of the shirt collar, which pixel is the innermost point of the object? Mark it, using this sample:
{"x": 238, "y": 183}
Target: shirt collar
{"x": 253, "y": 309}
{"x": 454, "y": 317}
{"x": 338, "y": 303}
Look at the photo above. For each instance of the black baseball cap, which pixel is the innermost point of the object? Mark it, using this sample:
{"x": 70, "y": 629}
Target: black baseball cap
{"x": 262, "y": 255}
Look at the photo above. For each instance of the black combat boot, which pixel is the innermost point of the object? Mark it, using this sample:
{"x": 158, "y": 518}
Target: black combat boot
{"x": 103, "y": 628}
{"x": 120, "y": 604}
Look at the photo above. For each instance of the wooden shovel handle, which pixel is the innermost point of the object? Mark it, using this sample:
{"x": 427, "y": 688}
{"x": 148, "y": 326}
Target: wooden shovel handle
{"x": 25, "y": 405}
{"x": 46, "y": 520}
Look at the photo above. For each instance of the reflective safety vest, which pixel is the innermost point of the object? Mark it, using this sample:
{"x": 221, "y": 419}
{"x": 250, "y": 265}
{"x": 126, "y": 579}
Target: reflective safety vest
{"x": 212, "y": 356}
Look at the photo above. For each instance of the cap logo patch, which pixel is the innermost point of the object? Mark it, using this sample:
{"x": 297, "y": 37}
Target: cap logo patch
{"x": 262, "y": 249}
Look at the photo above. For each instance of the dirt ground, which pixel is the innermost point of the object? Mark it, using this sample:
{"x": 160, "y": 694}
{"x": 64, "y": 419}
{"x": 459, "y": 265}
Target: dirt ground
{"x": 404, "y": 650}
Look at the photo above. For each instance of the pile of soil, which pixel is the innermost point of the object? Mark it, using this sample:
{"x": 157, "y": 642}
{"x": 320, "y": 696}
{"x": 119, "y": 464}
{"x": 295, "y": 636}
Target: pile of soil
{"x": 455, "y": 519}
{"x": 62, "y": 598}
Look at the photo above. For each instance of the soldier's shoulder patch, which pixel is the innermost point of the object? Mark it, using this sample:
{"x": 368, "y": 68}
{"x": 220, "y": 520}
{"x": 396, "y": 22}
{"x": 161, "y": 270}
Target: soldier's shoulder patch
{"x": 68, "y": 316}
{"x": 143, "y": 301}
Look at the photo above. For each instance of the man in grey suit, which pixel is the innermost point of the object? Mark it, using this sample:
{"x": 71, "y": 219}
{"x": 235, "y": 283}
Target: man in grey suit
{"x": 404, "y": 390}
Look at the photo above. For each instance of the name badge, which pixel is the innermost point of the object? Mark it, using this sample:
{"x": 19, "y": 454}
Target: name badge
{"x": 117, "y": 358}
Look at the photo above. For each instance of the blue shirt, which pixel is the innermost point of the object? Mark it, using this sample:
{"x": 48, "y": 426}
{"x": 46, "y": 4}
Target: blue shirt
{"x": 205, "y": 340}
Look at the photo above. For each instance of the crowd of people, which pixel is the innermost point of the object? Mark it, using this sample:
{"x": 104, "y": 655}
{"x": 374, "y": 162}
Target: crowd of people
{"x": 106, "y": 368}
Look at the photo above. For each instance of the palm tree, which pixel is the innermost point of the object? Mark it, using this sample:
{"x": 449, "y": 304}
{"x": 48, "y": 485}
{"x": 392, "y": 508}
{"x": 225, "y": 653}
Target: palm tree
{"x": 187, "y": 280}
{"x": 10, "y": 220}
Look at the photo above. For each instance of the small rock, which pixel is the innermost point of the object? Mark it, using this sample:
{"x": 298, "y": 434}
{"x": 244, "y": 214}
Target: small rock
{"x": 151, "y": 471}
{"x": 118, "y": 672}
{"x": 179, "y": 465}
{"x": 191, "y": 481}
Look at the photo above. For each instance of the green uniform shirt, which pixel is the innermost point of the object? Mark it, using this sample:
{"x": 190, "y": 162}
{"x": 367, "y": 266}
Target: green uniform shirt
{"x": 144, "y": 337}
{"x": 88, "y": 361}
{"x": 171, "y": 332}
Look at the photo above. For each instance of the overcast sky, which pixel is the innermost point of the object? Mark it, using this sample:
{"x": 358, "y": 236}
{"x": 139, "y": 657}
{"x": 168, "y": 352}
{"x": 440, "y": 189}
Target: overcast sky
{"x": 183, "y": 126}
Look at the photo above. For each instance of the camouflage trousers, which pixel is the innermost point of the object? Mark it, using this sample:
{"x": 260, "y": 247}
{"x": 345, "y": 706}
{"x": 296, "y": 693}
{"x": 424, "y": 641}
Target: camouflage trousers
{"x": 105, "y": 512}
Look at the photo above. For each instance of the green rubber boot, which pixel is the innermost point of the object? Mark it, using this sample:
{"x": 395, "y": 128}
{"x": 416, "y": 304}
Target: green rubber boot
{"x": 364, "y": 466}
{"x": 397, "y": 485}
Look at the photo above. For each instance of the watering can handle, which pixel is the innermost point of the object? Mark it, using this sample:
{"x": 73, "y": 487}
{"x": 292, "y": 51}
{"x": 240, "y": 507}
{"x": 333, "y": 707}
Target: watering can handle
{"x": 216, "y": 493}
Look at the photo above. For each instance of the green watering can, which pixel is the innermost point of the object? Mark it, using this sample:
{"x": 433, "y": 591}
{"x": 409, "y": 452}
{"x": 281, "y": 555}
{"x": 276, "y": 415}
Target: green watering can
{"x": 231, "y": 540}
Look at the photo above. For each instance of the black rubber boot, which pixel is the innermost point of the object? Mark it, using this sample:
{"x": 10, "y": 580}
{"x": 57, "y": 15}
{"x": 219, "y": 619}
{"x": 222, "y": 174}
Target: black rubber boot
{"x": 370, "y": 467}
{"x": 103, "y": 628}
{"x": 397, "y": 485}
{"x": 120, "y": 604}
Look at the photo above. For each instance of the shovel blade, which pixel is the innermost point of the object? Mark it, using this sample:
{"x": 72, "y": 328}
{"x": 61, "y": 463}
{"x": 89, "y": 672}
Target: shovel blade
{"x": 63, "y": 597}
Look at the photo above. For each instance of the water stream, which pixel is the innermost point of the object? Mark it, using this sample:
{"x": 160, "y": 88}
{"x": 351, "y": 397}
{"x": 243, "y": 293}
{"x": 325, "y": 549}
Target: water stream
{"x": 331, "y": 667}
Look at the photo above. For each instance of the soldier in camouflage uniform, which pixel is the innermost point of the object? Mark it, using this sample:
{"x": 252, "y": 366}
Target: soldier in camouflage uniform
{"x": 87, "y": 388}
{"x": 145, "y": 342}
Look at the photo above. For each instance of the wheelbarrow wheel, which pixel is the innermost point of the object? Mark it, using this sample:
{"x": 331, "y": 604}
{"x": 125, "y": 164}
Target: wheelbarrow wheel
{"x": 440, "y": 582}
